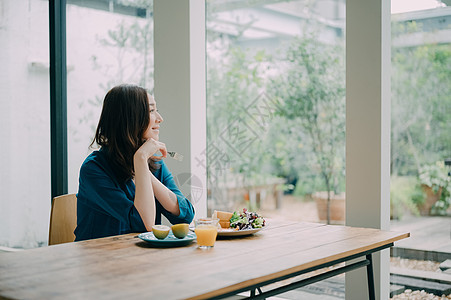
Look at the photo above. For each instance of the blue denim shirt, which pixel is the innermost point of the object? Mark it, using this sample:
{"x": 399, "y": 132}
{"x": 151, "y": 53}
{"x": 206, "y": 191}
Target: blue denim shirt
{"x": 105, "y": 205}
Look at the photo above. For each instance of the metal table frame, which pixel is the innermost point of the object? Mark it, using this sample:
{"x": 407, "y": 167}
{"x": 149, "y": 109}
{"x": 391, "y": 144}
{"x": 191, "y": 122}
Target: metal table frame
{"x": 367, "y": 262}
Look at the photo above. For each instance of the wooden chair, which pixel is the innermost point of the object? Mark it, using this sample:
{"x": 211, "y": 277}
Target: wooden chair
{"x": 63, "y": 219}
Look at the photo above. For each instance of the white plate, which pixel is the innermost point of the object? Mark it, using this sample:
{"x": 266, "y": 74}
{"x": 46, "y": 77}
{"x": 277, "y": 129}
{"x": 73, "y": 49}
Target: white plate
{"x": 233, "y": 232}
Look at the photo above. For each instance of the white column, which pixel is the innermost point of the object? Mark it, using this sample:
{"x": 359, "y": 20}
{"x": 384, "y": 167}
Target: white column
{"x": 180, "y": 92}
{"x": 368, "y": 131}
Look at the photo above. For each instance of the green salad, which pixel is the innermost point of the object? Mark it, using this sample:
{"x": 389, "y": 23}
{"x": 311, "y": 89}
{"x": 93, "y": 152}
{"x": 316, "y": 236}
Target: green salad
{"x": 246, "y": 220}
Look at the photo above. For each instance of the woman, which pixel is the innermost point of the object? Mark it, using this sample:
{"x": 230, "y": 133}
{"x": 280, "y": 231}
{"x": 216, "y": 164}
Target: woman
{"x": 125, "y": 186}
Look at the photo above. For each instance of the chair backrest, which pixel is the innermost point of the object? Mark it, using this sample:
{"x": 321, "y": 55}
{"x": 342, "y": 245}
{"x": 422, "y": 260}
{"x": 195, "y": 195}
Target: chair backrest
{"x": 63, "y": 219}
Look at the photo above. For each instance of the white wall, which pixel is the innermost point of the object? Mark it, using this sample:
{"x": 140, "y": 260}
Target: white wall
{"x": 25, "y": 124}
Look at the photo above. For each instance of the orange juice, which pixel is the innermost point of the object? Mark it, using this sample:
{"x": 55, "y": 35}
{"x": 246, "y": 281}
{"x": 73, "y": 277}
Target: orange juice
{"x": 206, "y": 235}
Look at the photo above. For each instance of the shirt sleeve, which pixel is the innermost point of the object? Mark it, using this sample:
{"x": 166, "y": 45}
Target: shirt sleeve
{"x": 102, "y": 194}
{"x": 185, "y": 206}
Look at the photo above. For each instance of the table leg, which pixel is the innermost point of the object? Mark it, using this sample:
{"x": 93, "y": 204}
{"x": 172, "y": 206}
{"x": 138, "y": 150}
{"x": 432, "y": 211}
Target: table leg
{"x": 370, "y": 277}
{"x": 254, "y": 292}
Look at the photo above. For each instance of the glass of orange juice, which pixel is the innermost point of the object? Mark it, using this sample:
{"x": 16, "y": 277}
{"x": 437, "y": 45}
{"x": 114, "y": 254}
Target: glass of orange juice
{"x": 206, "y": 232}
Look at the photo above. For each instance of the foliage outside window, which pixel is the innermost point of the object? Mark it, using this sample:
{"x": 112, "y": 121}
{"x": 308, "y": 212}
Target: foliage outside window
{"x": 286, "y": 105}
{"x": 421, "y": 110}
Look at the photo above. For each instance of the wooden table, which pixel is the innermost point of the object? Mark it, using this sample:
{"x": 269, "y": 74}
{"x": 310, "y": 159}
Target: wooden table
{"x": 124, "y": 267}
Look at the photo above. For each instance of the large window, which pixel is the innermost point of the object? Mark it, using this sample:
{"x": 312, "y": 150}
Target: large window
{"x": 106, "y": 45}
{"x": 25, "y": 123}
{"x": 420, "y": 139}
{"x": 276, "y": 107}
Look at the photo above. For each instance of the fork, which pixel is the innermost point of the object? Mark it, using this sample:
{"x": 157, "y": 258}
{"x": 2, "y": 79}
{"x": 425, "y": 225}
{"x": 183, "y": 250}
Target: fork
{"x": 175, "y": 155}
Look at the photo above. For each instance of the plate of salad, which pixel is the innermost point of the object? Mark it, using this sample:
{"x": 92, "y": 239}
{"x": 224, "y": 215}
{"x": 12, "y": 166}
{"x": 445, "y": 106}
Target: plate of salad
{"x": 243, "y": 223}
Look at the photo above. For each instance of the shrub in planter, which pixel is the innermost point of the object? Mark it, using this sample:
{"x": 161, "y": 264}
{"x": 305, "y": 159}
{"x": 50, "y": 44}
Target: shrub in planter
{"x": 336, "y": 207}
{"x": 435, "y": 182}
{"x": 405, "y": 196}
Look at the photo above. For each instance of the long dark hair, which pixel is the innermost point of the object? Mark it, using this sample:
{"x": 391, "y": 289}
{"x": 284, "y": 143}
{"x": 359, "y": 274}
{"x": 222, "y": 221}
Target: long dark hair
{"x": 123, "y": 121}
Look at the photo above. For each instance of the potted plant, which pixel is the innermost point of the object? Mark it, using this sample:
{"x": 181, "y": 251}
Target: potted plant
{"x": 405, "y": 196}
{"x": 331, "y": 207}
{"x": 435, "y": 182}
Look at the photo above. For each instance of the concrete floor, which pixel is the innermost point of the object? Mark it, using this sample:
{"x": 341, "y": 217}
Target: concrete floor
{"x": 426, "y": 233}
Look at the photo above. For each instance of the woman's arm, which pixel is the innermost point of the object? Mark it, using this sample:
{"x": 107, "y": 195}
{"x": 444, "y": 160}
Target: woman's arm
{"x": 185, "y": 210}
{"x": 144, "y": 190}
{"x": 144, "y": 194}
{"x": 165, "y": 196}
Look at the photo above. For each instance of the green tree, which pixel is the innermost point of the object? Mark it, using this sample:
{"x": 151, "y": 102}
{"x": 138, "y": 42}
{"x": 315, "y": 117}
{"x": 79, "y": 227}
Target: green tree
{"x": 312, "y": 92}
{"x": 421, "y": 104}
{"x": 421, "y": 112}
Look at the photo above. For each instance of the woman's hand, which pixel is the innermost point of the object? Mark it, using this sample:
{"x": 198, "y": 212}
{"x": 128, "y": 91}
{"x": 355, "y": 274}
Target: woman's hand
{"x": 150, "y": 148}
